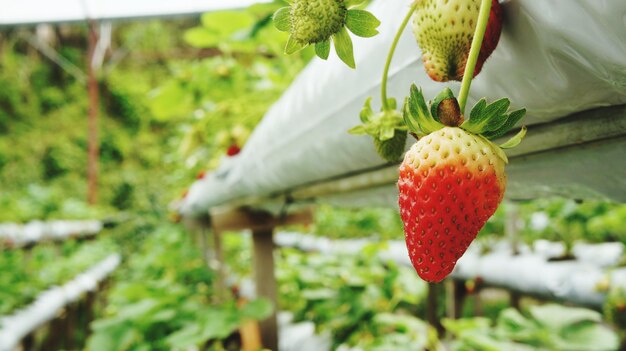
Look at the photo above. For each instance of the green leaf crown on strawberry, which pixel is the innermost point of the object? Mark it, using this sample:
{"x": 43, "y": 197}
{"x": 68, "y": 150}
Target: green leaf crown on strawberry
{"x": 452, "y": 179}
{"x": 318, "y": 22}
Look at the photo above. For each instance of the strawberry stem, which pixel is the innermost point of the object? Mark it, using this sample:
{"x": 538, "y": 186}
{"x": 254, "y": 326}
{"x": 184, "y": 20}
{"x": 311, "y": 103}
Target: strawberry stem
{"x": 392, "y": 50}
{"x": 477, "y": 41}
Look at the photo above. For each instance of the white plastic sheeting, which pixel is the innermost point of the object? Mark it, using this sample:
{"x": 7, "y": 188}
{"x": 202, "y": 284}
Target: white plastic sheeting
{"x": 18, "y": 235}
{"x": 529, "y": 272}
{"x": 16, "y": 12}
{"x": 555, "y": 58}
{"x": 47, "y": 305}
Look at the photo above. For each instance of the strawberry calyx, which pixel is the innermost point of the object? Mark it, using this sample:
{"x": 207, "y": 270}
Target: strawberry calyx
{"x": 386, "y": 127}
{"x": 489, "y": 121}
{"x": 318, "y": 22}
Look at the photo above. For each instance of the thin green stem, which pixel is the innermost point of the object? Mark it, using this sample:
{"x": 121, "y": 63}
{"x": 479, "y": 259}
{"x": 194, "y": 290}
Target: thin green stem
{"x": 392, "y": 50}
{"x": 477, "y": 41}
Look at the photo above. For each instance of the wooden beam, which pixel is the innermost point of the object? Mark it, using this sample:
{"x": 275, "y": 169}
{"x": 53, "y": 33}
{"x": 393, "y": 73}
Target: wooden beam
{"x": 226, "y": 219}
{"x": 265, "y": 280}
{"x": 94, "y": 105}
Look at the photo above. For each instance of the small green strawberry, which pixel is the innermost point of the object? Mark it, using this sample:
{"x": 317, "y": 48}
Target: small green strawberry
{"x": 452, "y": 179}
{"x": 444, "y": 30}
{"x": 317, "y": 22}
{"x": 386, "y": 127}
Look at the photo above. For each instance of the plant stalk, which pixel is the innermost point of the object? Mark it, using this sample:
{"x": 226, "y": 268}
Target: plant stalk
{"x": 477, "y": 41}
{"x": 392, "y": 50}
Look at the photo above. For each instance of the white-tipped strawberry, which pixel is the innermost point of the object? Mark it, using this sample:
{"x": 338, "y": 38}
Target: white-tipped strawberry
{"x": 444, "y": 30}
{"x": 452, "y": 179}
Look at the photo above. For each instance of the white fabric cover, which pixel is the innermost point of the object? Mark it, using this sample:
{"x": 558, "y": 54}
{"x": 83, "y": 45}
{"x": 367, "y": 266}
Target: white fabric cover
{"x": 554, "y": 58}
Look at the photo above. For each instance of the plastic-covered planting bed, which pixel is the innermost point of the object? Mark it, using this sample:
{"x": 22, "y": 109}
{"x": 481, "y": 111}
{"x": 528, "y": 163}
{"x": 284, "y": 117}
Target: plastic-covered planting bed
{"x": 45, "y": 308}
{"x": 571, "y": 280}
{"x": 563, "y": 61}
{"x": 19, "y": 235}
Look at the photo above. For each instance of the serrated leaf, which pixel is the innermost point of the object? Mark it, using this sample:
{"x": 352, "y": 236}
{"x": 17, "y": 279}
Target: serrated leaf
{"x": 419, "y": 111}
{"x": 362, "y": 23}
{"x": 408, "y": 120}
{"x": 281, "y": 19}
{"x": 511, "y": 121}
{"x": 515, "y": 140}
{"x": 293, "y": 46}
{"x": 322, "y": 49}
{"x": 357, "y": 130}
{"x": 343, "y": 47}
{"x": 444, "y": 94}
{"x": 487, "y": 118}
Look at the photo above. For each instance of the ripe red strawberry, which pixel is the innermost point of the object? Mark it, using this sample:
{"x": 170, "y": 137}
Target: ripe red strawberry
{"x": 233, "y": 150}
{"x": 444, "y": 30}
{"x": 452, "y": 180}
{"x": 201, "y": 175}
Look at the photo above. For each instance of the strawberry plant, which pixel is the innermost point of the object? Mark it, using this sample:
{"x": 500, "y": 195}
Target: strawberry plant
{"x": 546, "y": 327}
{"x": 345, "y": 295}
{"x": 163, "y": 300}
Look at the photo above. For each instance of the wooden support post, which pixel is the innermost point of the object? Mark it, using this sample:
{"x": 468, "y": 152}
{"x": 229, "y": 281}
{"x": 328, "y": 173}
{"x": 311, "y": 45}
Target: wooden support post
{"x": 28, "y": 343}
{"x": 455, "y": 296}
{"x": 262, "y": 225}
{"x": 263, "y": 241}
{"x": 94, "y": 106}
{"x": 432, "y": 308}
{"x": 218, "y": 265}
{"x": 515, "y": 298}
{"x": 511, "y": 228}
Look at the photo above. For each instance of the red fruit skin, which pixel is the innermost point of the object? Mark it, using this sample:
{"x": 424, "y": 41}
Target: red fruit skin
{"x": 233, "y": 150}
{"x": 492, "y": 36}
{"x": 444, "y": 214}
{"x": 444, "y": 202}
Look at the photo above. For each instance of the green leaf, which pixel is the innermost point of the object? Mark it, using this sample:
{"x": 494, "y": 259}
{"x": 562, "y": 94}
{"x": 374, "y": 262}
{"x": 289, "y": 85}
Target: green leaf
{"x": 293, "y": 46}
{"x": 410, "y": 122}
{"x": 281, "y": 19}
{"x": 515, "y": 140}
{"x": 362, "y": 23}
{"x": 557, "y": 317}
{"x": 391, "y": 102}
{"x": 487, "y": 118}
{"x": 257, "y": 309}
{"x": 357, "y": 130}
{"x": 444, "y": 94}
{"x": 343, "y": 47}
{"x": 366, "y": 112}
{"x": 511, "y": 121}
{"x": 322, "y": 49}
{"x": 419, "y": 111}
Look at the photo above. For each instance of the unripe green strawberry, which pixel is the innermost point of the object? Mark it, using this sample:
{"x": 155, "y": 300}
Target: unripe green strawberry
{"x": 316, "y": 21}
{"x": 444, "y": 30}
{"x": 452, "y": 179}
{"x": 451, "y": 182}
{"x": 391, "y": 149}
